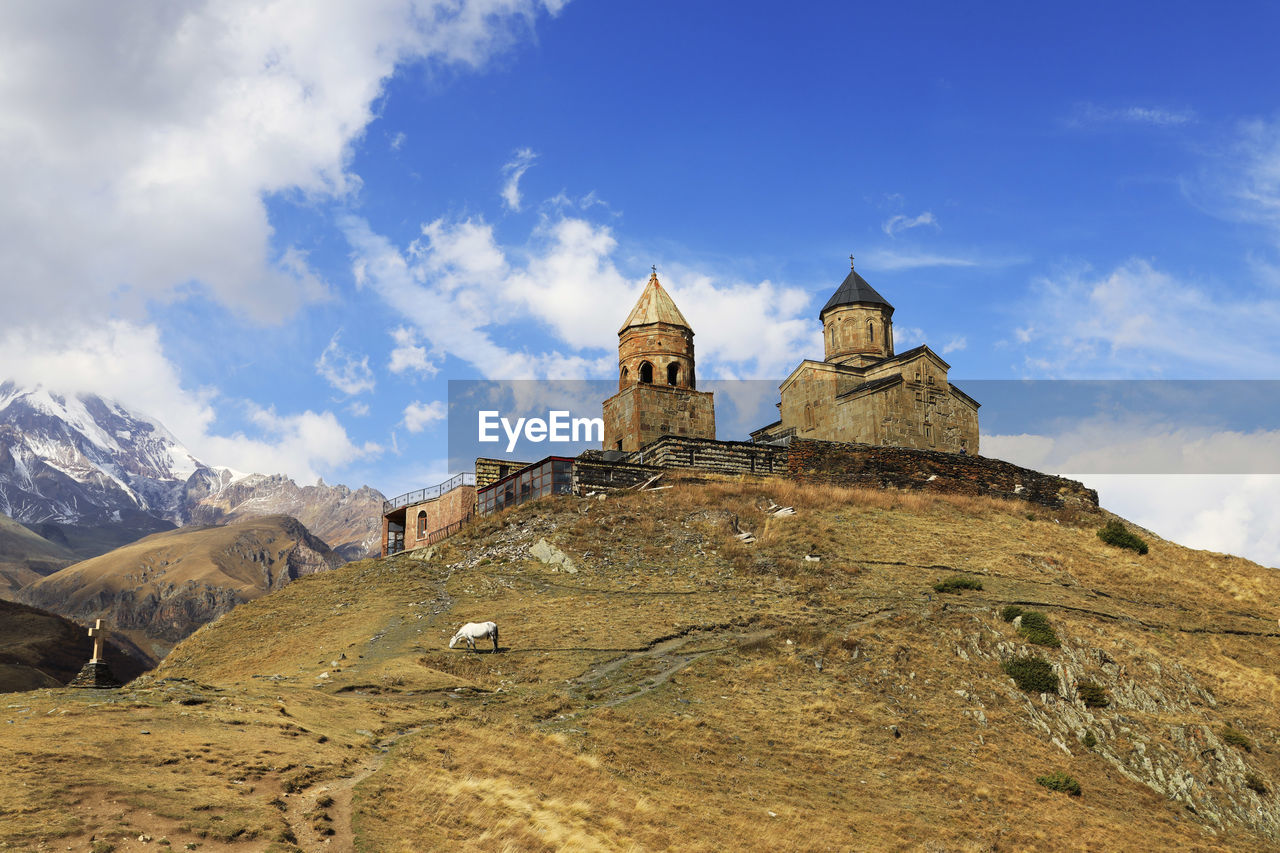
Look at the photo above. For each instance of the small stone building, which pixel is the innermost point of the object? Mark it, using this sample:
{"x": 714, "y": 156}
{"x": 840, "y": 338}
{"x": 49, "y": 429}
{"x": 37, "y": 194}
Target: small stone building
{"x": 657, "y": 386}
{"x": 863, "y": 393}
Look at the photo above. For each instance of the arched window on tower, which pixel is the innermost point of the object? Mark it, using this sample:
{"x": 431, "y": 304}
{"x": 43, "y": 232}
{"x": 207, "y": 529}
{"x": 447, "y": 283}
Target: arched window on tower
{"x": 625, "y": 373}
{"x": 673, "y": 373}
{"x": 646, "y": 373}
{"x": 871, "y": 332}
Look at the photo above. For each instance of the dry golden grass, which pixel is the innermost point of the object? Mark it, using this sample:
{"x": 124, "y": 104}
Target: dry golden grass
{"x": 682, "y": 690}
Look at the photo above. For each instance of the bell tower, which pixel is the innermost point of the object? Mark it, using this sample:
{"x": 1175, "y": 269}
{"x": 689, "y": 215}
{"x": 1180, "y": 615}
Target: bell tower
{"x": 657, "y": 381}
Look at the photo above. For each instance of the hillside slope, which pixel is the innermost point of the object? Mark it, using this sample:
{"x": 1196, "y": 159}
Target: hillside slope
{"x": 161, "y": 588}
{"x": 672, "y": 687}
{"x": 26, "y": 557}
{"x": 39, "y": 649}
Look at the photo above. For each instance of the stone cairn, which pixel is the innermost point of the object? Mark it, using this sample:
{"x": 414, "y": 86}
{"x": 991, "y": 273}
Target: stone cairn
{"x": 96, "y": 673}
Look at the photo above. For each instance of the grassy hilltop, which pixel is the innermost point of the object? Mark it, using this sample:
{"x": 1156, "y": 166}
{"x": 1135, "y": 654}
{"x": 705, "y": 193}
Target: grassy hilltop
{"x": 663, "y": 685}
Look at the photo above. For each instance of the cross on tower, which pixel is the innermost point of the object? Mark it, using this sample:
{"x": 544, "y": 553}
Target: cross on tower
{"x": 99, "y": 635}
{"x": 851, "y": 263}
{"x": 654, "y": 267}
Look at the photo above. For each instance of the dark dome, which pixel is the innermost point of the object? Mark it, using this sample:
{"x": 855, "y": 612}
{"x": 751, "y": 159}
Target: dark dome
{"x": 854, "y": 290}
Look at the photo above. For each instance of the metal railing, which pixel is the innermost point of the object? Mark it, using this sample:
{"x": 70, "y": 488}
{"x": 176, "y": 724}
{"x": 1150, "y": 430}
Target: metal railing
{"x": 445, "y": 532}
{"x": 464, "y": 479}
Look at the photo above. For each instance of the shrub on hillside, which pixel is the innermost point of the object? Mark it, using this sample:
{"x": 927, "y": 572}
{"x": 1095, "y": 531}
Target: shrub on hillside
{"x": 1235, "y": 737}
{"x": 1037, "y": 630}
{"x": 1115, "y": 533}
{"x": 955, "y": 583}
{"x": 1092, "y": 694}
{"x": 1059, "y": 781}
{"x": 1254, "y": 783}
{"x": 1089, "y": 740}
{"x": 1010, "y": 612}
{"x": 1032, "y": 674}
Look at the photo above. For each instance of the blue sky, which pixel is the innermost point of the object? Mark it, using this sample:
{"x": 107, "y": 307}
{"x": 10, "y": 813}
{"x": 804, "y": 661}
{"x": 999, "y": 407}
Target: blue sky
{"x": 282, "y": 227}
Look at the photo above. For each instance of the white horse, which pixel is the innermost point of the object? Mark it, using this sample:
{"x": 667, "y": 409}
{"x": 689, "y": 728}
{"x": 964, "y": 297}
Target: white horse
{"x": 473, "y": 631}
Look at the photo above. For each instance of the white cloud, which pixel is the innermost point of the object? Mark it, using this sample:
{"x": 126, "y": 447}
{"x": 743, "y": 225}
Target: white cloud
{"x": 139, "y": 142}
{"x": 459, "y": 286}
{"x": 1231, "y": 514}
{"x": 887, "y": 259}
{"x": 1135, "y": 444}
{"x": 1203, "y": 488}
{"x": 1153, "y": 116}
{"x": 358, "y": 409}
{"x": 125, "y": 362}
{"x": 1252, "y": 186}
{"x": 398, "y": 141}
{"x": 408, "y": 355}
{"x": 1140, "y": 321}
{"x": 956, "y": 344}
{"x": 418, "y": 416}
{"x": 342, "y": 370}
{"x": 900, "y": 222}
{"x": 514, "y": 171}
{"x": 301, "y": 445}
{"x": 906, "y": 337}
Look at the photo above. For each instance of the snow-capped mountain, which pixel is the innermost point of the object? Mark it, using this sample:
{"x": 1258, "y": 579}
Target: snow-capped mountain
{"x": 73, "y": 463}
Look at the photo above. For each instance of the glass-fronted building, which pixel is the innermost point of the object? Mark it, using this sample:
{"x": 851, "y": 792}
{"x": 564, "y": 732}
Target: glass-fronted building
{"x": 551, "y": 476}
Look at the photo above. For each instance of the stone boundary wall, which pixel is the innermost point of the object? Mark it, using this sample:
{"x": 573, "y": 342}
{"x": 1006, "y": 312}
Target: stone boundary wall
{"x": 718, "y": 457}
{"x": 930, "y": 470}
{"x": 593, "y": 473}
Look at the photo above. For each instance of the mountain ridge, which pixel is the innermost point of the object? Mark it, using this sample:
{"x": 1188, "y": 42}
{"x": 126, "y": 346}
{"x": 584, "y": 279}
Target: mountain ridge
{"x": 96, "y": 474}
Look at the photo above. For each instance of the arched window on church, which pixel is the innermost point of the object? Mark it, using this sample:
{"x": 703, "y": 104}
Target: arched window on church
{"x": 673, "y": 373}
{"x": 646, "y": 373}
{"x": 808, "y": 416}
{"x": 625, "y": 373}
{"x": 422, "y": 523}
{"x": 871, "y": 332}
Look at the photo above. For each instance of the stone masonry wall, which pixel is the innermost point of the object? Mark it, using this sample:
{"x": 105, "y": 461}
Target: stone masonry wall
{"x": 593, "y": 473}
{"x": 931, "y": 470}
{"x": 490, "y": 471}
{"x": 721, "y": 457}
{"x": 640, "y": 414}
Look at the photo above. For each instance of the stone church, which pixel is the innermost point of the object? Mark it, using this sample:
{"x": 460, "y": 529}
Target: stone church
{"x": 861, "y": 392}
{"x": 865, "y": 393}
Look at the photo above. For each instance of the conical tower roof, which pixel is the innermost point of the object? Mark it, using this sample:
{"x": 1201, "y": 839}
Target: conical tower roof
{"x": 853, "y": 290}
{"x": 654, "y": 306}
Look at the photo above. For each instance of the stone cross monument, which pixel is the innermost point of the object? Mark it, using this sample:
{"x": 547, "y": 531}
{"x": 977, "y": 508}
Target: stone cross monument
{"x": 99, "y": 635}
{"x": 96, "y": 673}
